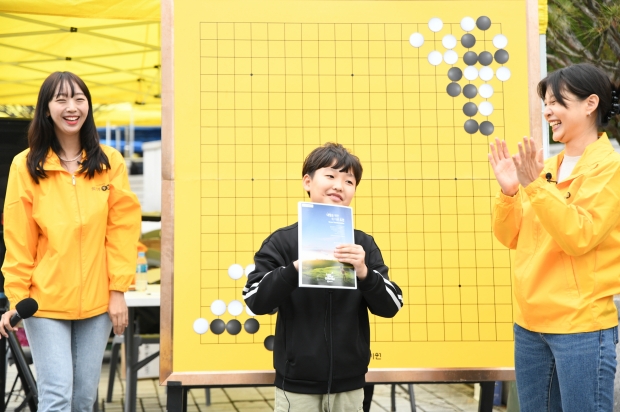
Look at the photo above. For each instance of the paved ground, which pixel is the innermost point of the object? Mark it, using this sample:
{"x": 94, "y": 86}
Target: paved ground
{"x": 152, "y": 397}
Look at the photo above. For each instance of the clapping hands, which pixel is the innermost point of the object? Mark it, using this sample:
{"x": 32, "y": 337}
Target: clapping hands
{"x": 521, "y": 168}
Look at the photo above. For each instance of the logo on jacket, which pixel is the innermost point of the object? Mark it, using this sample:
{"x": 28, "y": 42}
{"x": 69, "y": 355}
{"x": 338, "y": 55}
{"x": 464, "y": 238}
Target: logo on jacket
{"x": 103, "y": 188}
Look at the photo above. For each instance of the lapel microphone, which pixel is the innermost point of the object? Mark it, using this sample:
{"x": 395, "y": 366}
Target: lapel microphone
{"x": 548, "y": 176}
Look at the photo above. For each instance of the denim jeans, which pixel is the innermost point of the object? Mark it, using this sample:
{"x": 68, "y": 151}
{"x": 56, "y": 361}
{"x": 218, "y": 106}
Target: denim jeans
{"x": 565, "y": 372}
{"x": 67, "y": 357}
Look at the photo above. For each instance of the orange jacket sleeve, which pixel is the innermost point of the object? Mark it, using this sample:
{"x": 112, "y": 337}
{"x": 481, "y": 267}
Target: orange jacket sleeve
{"x": 507, "y": 215}
{"x": 123, "y": 227}
{"x": 21, "y": 235}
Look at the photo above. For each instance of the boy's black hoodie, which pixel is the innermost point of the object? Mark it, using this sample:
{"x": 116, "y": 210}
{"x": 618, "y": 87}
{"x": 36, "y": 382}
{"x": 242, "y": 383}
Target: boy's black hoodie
{"x": 322, "y": 341}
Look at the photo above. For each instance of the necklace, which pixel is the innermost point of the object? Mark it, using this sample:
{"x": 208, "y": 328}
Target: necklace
{"x": 72, "y": 160}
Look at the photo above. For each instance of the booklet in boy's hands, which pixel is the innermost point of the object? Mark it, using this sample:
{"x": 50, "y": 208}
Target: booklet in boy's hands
{"x": 322, "y": 227}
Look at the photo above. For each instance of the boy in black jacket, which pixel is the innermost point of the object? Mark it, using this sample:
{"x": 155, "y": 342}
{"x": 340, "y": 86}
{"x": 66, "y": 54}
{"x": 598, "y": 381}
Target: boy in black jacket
{"x": 322, "y": 340}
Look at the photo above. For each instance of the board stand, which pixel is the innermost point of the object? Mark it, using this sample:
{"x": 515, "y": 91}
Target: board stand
{"x": 177, "y": 395}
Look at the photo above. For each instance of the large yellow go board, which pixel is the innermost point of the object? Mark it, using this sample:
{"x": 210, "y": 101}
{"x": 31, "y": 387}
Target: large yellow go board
{"x": 417, "y": 90}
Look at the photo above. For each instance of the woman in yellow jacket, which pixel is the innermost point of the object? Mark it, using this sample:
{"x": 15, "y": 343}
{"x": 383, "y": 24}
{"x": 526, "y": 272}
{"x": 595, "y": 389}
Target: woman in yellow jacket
{"x": 71, "y": 232}
{"x": 562, "y": 216}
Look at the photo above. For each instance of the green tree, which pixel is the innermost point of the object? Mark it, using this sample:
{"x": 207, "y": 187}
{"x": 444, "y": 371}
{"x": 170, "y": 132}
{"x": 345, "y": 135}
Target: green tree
{"x": 586, "y": 31}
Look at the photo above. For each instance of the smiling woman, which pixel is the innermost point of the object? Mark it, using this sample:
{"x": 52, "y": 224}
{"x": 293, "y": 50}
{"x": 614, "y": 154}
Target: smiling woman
{"x": 64, "y": 123}
{"x": 69, "y": 247}
{"x": 562, "y": 216}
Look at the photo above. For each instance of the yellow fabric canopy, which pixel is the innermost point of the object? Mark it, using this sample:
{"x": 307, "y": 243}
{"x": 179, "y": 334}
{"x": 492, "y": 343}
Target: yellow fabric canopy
{"x": 102, "y": 9}
{"x": 117, "y": 54}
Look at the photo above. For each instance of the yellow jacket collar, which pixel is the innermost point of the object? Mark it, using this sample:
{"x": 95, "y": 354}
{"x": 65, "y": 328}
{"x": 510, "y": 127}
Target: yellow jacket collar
{"x": 593, "y": 154}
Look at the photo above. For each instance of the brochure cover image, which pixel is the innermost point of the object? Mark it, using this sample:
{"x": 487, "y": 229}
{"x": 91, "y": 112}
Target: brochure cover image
{"x": 322, "y": 227}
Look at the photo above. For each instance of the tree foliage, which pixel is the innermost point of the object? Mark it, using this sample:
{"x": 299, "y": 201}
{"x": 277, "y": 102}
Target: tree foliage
{"x": 586, "y": 31}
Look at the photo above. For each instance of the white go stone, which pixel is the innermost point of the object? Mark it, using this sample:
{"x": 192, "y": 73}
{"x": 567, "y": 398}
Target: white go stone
{"x": 450, "y": 57}
{"x": 235, "y": 308}
{"x": 485, "y": 108}
{"x": 486, "y": 73}
{"x": 218, "y": 307}
{"x": 449, "y": 41}
{"x": 201, "y": 325}
{"x": 500, "y": 41}
{"x": 249, "y": 311}
{"x": 235, "y": 271}
{"x": 416, "y": 40}
{"x": 468, "y": 24}
{"x": 503, "y": 73}
{"x": 435, "y": 58}
{"x": 485, "y": 90}
{"x": 470, "y": 73}
{"x": 435, "y": 24}
{"x": 249, "y": 269}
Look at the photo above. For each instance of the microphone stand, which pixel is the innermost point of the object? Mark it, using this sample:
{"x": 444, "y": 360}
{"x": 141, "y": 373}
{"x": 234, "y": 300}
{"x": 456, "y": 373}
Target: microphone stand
{"x": 24, "y": 373}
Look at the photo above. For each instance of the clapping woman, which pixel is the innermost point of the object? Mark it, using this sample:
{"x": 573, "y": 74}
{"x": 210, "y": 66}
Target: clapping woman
{"x": 562, "y": 216}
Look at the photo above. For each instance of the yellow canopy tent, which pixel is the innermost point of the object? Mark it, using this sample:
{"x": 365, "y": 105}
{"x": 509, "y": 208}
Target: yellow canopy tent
{"x": 113, "y": 45}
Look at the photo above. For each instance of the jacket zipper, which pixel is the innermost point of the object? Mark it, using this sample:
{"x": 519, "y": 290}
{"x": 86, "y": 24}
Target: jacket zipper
{"x": 77, "y": 201}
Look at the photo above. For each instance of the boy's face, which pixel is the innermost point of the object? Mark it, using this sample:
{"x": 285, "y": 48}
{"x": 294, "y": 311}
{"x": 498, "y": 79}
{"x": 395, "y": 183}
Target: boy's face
{"x": 330, "y": 186}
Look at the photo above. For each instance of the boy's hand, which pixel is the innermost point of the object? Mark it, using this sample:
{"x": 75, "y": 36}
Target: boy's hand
{"x": 353, "y": 254}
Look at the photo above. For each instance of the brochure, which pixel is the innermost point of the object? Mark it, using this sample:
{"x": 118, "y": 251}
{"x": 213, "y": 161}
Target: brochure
{"x": 322, "y": 227}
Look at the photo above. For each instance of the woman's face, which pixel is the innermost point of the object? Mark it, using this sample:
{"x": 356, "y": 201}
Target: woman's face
{"x": 68, "y": 112}
{"x": 570, "y": 121}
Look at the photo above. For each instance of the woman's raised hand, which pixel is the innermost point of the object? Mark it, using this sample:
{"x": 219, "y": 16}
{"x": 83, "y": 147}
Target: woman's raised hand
{"x": 528, "y": 162}
{"x": 504, "y": 167}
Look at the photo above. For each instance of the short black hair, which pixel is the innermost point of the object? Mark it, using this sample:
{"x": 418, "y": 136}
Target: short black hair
{"x": 332, "y": 155}
{"x": 581, "y": 80}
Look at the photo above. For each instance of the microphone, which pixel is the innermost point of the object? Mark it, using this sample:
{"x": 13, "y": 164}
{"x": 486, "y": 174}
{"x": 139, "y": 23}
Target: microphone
{"x": 548, "y": 176}
{"x": 25, "y": 309}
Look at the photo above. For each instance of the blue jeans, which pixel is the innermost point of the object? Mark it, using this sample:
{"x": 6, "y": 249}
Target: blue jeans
{"x": 67, "y": 357}
{"x": 565, "y": 372}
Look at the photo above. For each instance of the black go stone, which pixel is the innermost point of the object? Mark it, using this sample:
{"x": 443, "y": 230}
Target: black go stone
{"x": 455, "y": 74}
{"x": 468, "y": 40}
{"x": 501, "y": 56}
{"x": 470, "y": 58}
{"x": 218, "y": 326}
{"x": 485, "y": 58}
{"x": 233, "y": 327}
{"x": 251, "y": 326}
{"x": 471, "y": 126}
{"x": 453, "y": 89}
{"x": 269, "y": 342}
{"x": 470, "y": 109}
{"x": 483, "y": 23}
{"x": 486, "y": 128}
{"x": 470, "y": 91}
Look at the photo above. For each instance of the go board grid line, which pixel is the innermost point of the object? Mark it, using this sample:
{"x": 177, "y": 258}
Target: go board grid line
{"x": 423, "y": 205}
{"x": 443, "y": 298}
{"x": 389, "y": 218}
{"x": 402, "y": 84}
{"x": 458, "y": 265}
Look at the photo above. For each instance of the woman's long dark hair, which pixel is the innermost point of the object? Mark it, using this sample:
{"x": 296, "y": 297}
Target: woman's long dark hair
{"x": 41, "y": 135}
